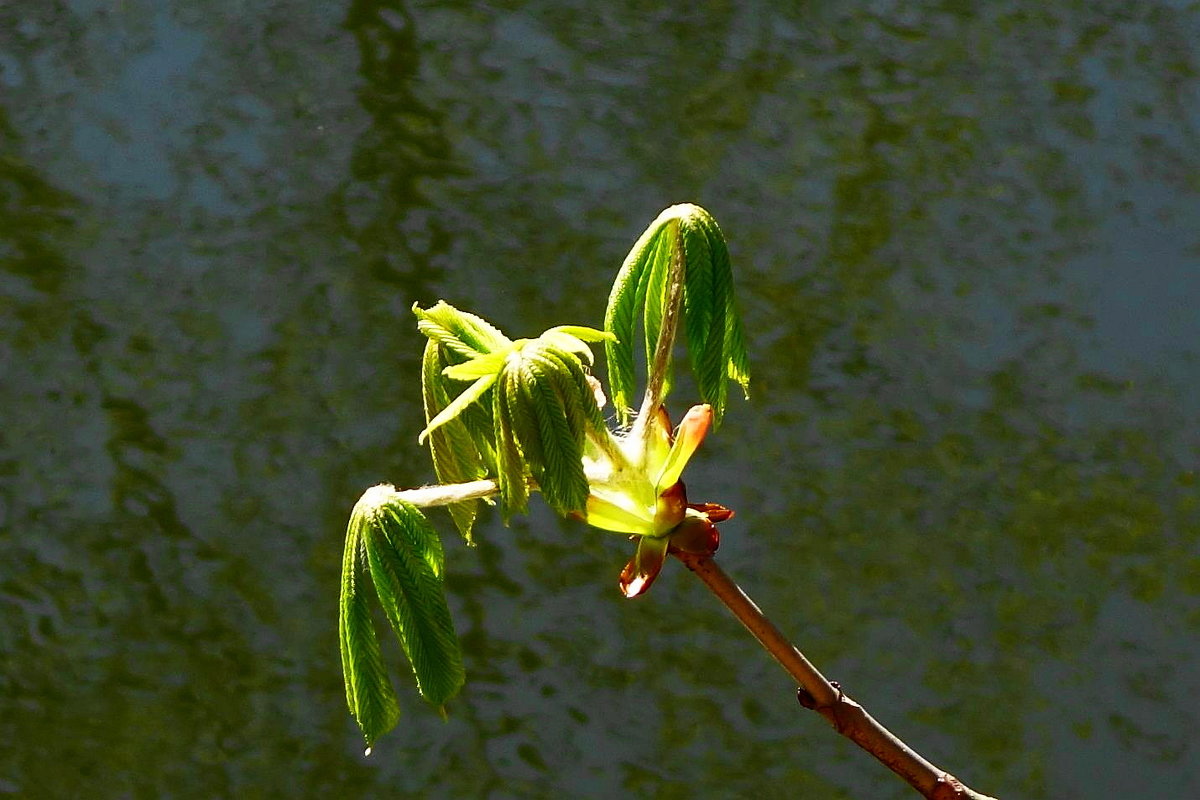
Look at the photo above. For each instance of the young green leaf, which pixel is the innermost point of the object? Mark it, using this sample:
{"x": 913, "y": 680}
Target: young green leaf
{"x": 479, "y": 367}
{"x": 714, "y": 329}
{"x": 567, "y": 342}
{"x": 642, "y": 289}
{"x": 511, "y": 466}
{"x": 406, "y": 564}
{"x": 458, "y": 405}
{"x": 571, "y": 381}
{"x": 562, "y": 481}
{"x": 735, "y": 346}
{"x": 625, "y": 303}
{"x": 574, "y": 339}
{"x": 583, "y": 333}
{"x": 458, "y": 457}
{"x": 520, "y": 403}
{"x": 709, "y": 279}
{"x": 369, "y": 692}
{"x": 465, "y": 334}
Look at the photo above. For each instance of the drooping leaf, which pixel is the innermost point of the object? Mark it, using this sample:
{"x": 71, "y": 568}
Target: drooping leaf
{"x": 714, "y": 328}
{"x": 710, "y": 320}
{"x": 406, "y": 565}
{"x": 626, "y": 303}
{"x": 510, "y": 465}
{"x": 700, "y": 296}
{"x": 457, "y": 456}
{"x": 520, "y": 401}
{"x": 704, "y": 308}
{"x": 578, "y": 385}
{"x": 557, "y": 375}
{"x": 477, "y": 419}
{"x": 571, "y": 382}
{"x": 460, "y": 338}
{"x": 369, "y": 692}
{"x": 562, "y": 481}
{"x": 735, "y": 346}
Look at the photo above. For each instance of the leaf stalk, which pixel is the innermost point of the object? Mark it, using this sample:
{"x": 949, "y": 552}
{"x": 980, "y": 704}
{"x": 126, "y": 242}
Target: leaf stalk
{"x": 448, "y": 494}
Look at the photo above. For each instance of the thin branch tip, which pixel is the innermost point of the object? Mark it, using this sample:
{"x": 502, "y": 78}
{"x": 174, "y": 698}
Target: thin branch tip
{"x": 826, "y": 697}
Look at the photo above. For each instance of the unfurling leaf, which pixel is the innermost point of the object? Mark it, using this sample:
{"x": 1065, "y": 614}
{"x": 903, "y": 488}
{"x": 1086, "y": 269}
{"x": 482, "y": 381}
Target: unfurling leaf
{"x": 511, "y": 467}
{"x": 369, "y": 692}
{"x": 525, "y": 415}
{"x": 555, "y": 406}
{"x": 583, "y": 333}
{"x": 480, "y": 367}
{"x": 405, "y": 556}
{"x": 458, "y": 405}
{"x": 716, "y": 347}
{"x": 626, "y": 302}
{"x": 465, "y": 334}
{"x": 391, "y": 544}
{"x": 457, "y": 456}
{"x": 459, "y": 424}
{"x": 544, "y": 408}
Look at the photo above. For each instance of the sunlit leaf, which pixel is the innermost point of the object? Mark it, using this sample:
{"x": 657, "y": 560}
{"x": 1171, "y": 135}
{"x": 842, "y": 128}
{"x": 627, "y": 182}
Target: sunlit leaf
{"x": 704, "y": 308}
{"x": 562, "y": 481}
{"x": 465, "y": 334}
{"x": 369, "y": 692}
{"x": 457, "y": 456}
{"x": 583, "y": 333}
{"x": 714, "y": 328}
{"x": 520, "y": 402}
{"x": 568, "y": 343}
{"x": 626, "y": 303}
{"x": 571, "y": 379}
{"x": 458, "y": 405}
{"x": 656, "y": 292}
{"x": 642, "y": 292}
{"x": 510, "y": 466}
{"x": 478, "y": 367}
{"x": 406, "y": 565}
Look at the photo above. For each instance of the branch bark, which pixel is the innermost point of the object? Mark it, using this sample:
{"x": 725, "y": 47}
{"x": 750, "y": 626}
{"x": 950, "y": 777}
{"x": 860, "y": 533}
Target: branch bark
{"x": 825, "y": 697}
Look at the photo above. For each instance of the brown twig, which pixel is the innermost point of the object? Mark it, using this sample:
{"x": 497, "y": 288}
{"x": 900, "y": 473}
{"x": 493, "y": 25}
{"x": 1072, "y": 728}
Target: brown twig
{"x": 827, "y": 698}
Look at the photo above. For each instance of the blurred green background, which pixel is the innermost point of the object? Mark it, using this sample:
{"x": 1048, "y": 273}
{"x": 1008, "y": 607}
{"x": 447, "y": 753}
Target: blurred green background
{"x": 966, "y": 239}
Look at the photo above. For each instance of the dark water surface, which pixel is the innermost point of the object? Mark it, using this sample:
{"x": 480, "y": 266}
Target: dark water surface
{"x": 967, "y": 244}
